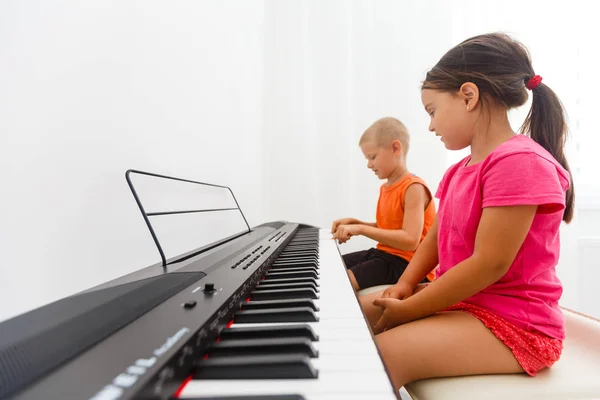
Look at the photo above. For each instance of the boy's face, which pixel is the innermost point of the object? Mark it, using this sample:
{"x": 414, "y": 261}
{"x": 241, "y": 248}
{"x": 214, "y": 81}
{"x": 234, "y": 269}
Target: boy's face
{"x": 382, "y": 160}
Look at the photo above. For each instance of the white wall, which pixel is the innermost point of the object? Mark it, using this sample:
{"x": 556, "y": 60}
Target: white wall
{"x": 268, "y": 97}
{"x": 90, "y": 89}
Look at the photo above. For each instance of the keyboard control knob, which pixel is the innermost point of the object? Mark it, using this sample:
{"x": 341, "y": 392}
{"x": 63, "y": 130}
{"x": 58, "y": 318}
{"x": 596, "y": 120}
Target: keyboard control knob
{"x": 209, "y": 287}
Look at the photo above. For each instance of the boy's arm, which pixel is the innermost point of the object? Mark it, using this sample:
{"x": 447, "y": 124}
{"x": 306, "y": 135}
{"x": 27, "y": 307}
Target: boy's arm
{"x": 349, "y": 221}
{"x": 407, "y": 238}
{"x": 372, "y": 224}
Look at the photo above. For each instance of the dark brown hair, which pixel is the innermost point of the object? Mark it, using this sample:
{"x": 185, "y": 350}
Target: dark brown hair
{"x": 500, "y": 66}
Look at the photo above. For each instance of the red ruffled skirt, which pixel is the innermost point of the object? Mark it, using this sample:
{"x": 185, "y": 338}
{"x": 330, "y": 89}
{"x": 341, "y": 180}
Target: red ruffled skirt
{"x": 533, "y": 350}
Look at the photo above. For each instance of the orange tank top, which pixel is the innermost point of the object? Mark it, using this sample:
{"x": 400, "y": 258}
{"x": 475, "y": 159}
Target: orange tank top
{"x": 390, "y": 213}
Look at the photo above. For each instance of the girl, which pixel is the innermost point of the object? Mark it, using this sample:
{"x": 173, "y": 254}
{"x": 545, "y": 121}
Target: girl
{"x": 493, "y": 308}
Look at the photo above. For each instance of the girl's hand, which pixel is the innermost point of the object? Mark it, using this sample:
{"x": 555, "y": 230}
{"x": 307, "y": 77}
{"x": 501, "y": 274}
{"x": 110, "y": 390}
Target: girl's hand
{"x": 400, "y": 290}
{"x": 395, "y": 313}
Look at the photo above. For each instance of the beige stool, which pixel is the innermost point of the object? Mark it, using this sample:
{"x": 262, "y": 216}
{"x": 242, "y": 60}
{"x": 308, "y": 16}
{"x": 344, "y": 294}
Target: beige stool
{"x": 575, "y": 376}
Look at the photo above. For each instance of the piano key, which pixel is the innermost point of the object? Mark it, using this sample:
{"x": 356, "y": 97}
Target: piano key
{"x": 284, "y": 294}
{"x": 307, "y": 248}
{"x": 293, "y": 274}
{"x": 296, "y": 264}
{"x": 293, "y": 314}
{"x": 300, "y": 253}
{"x": 336, "y": 308}
{"x": 289, "y": 280}
{"x": 298, "y": 258}
{"x": 305, "y": 254}
{"x": 294, "y": 268}
{"x": 301, "y": 247}
{"x": 266, "y": 304}
{"x": 266, "y": 332}
{"x": 326, "y": 331}
{"x": 303, "y": 244}
{"x": 348, "y": 362}
{"x": 291, "y": 262}
{"x": 290, "y": 366}
{"x": 336, "y": 357}
{"x": 287, "y": 286}
{"x": 270, "y": 346}
{"x": 328, "y": 396}
{"x": 367, "y": 384}
{"x": 364, "y": 346}
{"x": 254, "y": 397}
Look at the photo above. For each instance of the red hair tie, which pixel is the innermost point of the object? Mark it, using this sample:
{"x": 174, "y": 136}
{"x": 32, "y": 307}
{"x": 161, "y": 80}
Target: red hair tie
{"x": 533, "y": 82}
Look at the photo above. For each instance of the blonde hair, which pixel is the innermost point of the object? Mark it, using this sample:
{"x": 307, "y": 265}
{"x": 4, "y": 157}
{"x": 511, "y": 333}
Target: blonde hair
{"x": 384, "y": 131}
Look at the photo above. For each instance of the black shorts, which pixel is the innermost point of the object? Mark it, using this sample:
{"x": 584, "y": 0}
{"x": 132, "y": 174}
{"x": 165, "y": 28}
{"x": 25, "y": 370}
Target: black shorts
{"x": 375, "y": 267}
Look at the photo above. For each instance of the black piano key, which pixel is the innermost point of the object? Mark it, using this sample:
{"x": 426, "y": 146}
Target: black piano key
{"x": 293, "y": 254}
{"x": 298, "y": 263}
{"x": 293, "y": 274}
{"x": 271, "y": 346}
{"x": 287, "y": 286}
{"x": 293, "y": 269}
{"x": 292, "y": 314}
{"x": 288, "y": 366}
{"x": 289, "y": 280}
{"x": 265, "y": 304}
{"x": 299, "y": 248}
{"x": 307, "y": 256}
{"x": 291, "y": 262}
{"x": 300, "y": 251}
{"x": 267, "y": 332}
{"x": 280, "y": 294}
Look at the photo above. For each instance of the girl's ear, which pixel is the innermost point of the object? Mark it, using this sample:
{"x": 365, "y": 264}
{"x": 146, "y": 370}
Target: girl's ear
{"x": 469, "y": 93}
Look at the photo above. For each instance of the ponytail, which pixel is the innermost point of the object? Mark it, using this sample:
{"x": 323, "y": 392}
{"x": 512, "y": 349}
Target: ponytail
{"x": 545, "y": 123}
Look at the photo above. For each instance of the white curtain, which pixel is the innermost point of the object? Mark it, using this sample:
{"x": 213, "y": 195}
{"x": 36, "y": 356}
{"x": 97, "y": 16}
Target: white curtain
{"x": 333, "y": 67}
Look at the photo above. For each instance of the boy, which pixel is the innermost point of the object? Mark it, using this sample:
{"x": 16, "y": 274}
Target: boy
{"x": 405, "y": 210}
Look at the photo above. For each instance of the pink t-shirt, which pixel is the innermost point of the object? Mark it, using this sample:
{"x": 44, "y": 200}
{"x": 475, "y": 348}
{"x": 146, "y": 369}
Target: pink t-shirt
{"x": 518, "y": 172}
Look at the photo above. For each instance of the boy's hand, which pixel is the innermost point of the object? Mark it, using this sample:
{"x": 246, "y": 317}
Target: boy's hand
{"x": 342, "y": 221}
{"x": 345, "y": 232}
{"x": 395, "y": 313}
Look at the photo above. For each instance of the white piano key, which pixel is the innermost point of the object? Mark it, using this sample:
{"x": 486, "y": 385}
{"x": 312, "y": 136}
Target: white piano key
{"x": 349, "y": 362}
{"x": 344, "y": 396}
{"x": 369, "y": 384}
{"x": 346, "y": 346}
